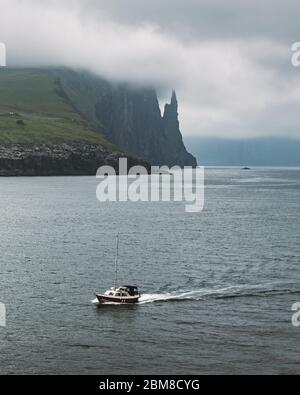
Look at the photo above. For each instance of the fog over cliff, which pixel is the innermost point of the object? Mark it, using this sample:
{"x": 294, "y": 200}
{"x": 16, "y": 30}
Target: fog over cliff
{"x": 228, "y": 61}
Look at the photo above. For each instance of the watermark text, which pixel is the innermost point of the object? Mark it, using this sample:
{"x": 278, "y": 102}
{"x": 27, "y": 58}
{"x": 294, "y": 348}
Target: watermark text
{"x": 296, "y": 54}
{"x": 2, "y": 315}
{"x": 2, "y": 55}
{"x": 296, "y": 316}
{"x": 163, "y": 184}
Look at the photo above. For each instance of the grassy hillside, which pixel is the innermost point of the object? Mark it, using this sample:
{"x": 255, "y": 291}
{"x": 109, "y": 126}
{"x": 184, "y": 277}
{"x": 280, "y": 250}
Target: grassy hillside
{"x": 34, "y": 111}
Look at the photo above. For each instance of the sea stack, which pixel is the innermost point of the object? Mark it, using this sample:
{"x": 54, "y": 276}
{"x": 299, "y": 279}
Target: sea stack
{"x": 173, "y": 134}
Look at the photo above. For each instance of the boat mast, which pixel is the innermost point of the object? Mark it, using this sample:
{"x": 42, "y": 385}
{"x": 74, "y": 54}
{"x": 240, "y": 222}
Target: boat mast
{"x": 116, "y": 263}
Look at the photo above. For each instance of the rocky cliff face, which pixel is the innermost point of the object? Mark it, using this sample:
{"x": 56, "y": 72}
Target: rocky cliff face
{"x": 172, "y": 134}
{"x": 64, "y": 122}
{"x": 129, "y": 117}
{"x": 41, "y": 132}
{"x": 58, "y": 159}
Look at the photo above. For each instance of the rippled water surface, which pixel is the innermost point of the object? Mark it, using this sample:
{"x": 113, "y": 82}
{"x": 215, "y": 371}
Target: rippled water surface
{"x": 217, "y": 287}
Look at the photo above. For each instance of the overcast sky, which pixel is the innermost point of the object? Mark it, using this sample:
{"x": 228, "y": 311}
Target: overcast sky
{"x": 229, "y": 61}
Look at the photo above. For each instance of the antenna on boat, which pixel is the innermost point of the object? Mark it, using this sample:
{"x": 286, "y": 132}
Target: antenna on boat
{"x": 116, "y": 261}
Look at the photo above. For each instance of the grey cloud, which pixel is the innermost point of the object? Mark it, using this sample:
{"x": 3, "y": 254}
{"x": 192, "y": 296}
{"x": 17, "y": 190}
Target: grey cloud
{"x": 228, "y": 60}
{"x": 274, "y": 19}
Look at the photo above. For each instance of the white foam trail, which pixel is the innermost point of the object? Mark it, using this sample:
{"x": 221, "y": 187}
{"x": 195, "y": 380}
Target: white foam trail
{"x": 197, "y": 294}
{"x": 149, "y": 298}
{"x": 179, "y": 295}
{"x": 237, "y": 290}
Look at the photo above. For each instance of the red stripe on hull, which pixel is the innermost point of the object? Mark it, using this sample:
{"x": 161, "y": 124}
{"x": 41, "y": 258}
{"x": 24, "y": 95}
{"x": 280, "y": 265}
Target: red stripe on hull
{"x": 107, "y": 299}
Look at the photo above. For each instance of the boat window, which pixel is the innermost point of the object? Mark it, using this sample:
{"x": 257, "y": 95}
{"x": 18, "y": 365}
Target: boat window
{"x": 118, "y": 294}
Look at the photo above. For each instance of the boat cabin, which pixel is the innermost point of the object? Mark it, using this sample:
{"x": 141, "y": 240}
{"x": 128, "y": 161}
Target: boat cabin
{"x": 124, "y": 291}
{"x": 132, "y": 291}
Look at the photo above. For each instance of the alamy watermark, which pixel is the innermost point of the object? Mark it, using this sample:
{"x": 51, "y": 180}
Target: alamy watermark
{"x": 2, "y": 55}
{"x": 163, "y": 184}
{"x": 2, "y": 315}
{"x": 296, "y": 54}
{"x": 296, "y": 316}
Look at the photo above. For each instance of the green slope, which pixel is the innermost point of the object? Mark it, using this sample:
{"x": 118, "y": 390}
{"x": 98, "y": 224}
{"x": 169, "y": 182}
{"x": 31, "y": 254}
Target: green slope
{"x": 34, "y": 96}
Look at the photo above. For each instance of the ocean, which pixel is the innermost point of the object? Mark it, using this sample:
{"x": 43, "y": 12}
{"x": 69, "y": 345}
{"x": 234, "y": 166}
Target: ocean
{"x": 217, "y": 286}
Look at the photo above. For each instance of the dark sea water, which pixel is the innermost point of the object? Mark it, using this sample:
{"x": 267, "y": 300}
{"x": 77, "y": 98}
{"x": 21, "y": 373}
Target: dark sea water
{"x": 217, "y": 287}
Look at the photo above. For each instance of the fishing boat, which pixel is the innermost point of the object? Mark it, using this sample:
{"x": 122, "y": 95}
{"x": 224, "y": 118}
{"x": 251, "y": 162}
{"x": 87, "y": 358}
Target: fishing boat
{"x": 127, "y": 294}
{"x": 124, "y": 295}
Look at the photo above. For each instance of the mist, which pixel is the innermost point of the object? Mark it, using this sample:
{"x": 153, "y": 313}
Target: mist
{"x": 230, "y": 83}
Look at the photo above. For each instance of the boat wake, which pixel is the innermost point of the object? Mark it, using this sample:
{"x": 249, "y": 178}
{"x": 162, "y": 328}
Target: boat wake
{"x": 216, "y": 293}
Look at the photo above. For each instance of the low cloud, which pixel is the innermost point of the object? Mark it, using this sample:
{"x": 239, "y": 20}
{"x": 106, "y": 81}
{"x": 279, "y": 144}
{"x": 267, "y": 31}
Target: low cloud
{"x": 229, "y": 85}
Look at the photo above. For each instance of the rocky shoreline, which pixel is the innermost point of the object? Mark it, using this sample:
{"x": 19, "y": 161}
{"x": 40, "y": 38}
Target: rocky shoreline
{"x": 76, "y": 159}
